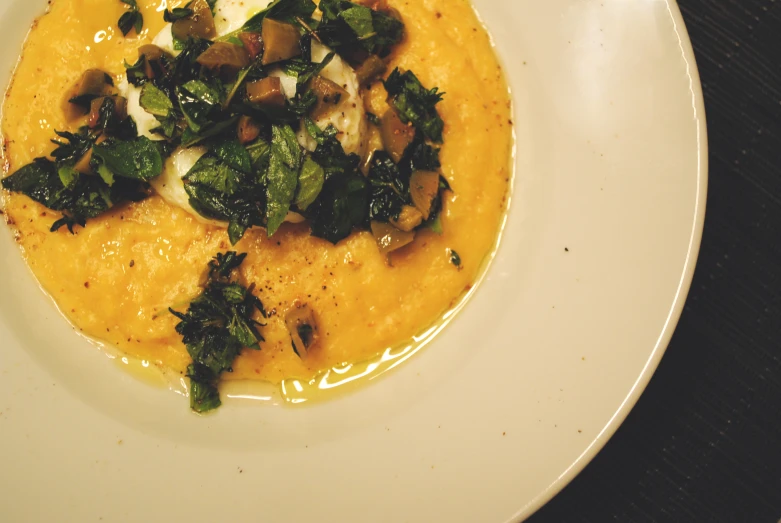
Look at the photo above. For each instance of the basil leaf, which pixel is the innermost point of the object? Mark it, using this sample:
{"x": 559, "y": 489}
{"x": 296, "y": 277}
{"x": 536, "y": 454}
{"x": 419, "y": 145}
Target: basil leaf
{"x": 310, "y": 183}
{"x": 138, "y": 159}
{"x": 199, "y": 102}
{"x": 340, "y": 206}
{"x": 234, "y": 155}
{"x": 154, "y": 101}
{"x": 415, "y": 103}
{"x": 282, "y": 176}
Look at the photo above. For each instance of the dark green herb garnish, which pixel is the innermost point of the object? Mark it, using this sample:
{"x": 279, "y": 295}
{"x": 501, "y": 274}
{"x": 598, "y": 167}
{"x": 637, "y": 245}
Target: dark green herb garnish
{"x": 347, "y": 25}
{"x": 415, "y": 103}
{"x": 455, "y": 259}
{"x": 132, "y": 19}
{"x": 218, "y": 324}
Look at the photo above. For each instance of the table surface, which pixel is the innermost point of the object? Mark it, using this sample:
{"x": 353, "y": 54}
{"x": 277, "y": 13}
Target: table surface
{"x": 704, "y": 441}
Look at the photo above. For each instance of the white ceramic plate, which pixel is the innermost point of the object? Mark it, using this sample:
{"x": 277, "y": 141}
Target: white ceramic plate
{"x": 502, "y": 409}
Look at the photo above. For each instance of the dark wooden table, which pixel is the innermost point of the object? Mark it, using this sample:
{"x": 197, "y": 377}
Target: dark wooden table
{"x": 704, "y": 442}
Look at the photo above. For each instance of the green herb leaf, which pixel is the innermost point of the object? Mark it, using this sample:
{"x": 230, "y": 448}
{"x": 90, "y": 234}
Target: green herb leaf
{"x": 199, "y": 102}
{"x": 282, "y": 176}
{"x": 218, "y": 324}
{"x": 155, "y": 102}
{"x": 73, "y": 146}
{"x": 415, "y": 103}
{"x": 390, "y": 189}
{"x": 215, "y": 174}
{"x": 234, "y": 155}
{"x": 347, "y": 25}
{"x": 132, "y": 19}
{"x": 310, "y": 183}
{"x": 137, "y": 159}
{"x": 136, "y": 73}
{"x": 84, "y": 197}
{"x": 305, "y": 70}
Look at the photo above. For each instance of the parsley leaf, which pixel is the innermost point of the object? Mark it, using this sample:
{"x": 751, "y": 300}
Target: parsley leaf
{"x": 218, "y": 324}
{"x": 415, "y": 103}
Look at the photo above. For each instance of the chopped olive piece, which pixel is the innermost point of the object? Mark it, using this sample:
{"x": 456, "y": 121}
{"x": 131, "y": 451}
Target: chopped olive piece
{"x": 78, "y": 99}
{"x": 248, "y": 131}
{"x": 152, "y": 54}
{"x": 225, "y": 57}
{"x": 267, "y": 91}
{"x": 389, "y": 238}
{"x": 370, "y": 69}
{"x": 423, "y": 188}
{"x": 408, "y": 219}
{"x": 280, "y": 41}
{"x": 93, "y": 81}
{"x": 200, "y": 24}
{"x": 396, "y": 135}
{"x": 329, "y": 96}
{"x": 302, "y": 326}
{"x": 252, "y": 42}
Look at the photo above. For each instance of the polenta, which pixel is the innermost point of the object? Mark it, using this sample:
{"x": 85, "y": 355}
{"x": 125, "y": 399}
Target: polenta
{"x": 288, "y": 90}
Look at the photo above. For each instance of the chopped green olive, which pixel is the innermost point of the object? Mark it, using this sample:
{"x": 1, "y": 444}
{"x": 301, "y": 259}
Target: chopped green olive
{"x": 281, "y": 41}
{"x": 409, "y": 218}
{"x": 396, "y": 135}
{"x": 329, "y": 96}
{"x": 152, "y": 54}
{"x": 225, "y": 57}
{"x": 370, "y": 69}
{"x": 252, "y": 42}
{"x": 93, "y": 81}
{"x": 302, "y": 326}
{"x": 423, "y": 188}
{"x": 248, "y": 130}
{"x": 200, "y": 24}
{"x": 389, "y": 238}
{"x": 266, "y": 91}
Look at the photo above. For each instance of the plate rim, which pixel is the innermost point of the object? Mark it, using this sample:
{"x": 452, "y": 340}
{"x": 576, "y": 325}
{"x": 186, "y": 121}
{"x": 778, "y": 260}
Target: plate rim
{"x": 684, "y": 283}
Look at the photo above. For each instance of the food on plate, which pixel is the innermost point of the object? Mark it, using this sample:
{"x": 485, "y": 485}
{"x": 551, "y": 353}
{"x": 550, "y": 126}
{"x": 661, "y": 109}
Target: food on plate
{"x": 255, "y": 189}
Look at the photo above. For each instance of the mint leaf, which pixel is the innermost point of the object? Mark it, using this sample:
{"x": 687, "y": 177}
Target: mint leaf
{"x": 310, "y": 183}
{"x": 282, "y": 176}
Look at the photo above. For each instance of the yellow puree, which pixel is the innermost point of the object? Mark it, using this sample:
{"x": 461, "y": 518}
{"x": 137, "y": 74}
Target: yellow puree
{"x": 115, "y": 278}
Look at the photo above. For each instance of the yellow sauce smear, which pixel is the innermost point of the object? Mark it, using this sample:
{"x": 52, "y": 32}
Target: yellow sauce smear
{"x": 115, "y": 279}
